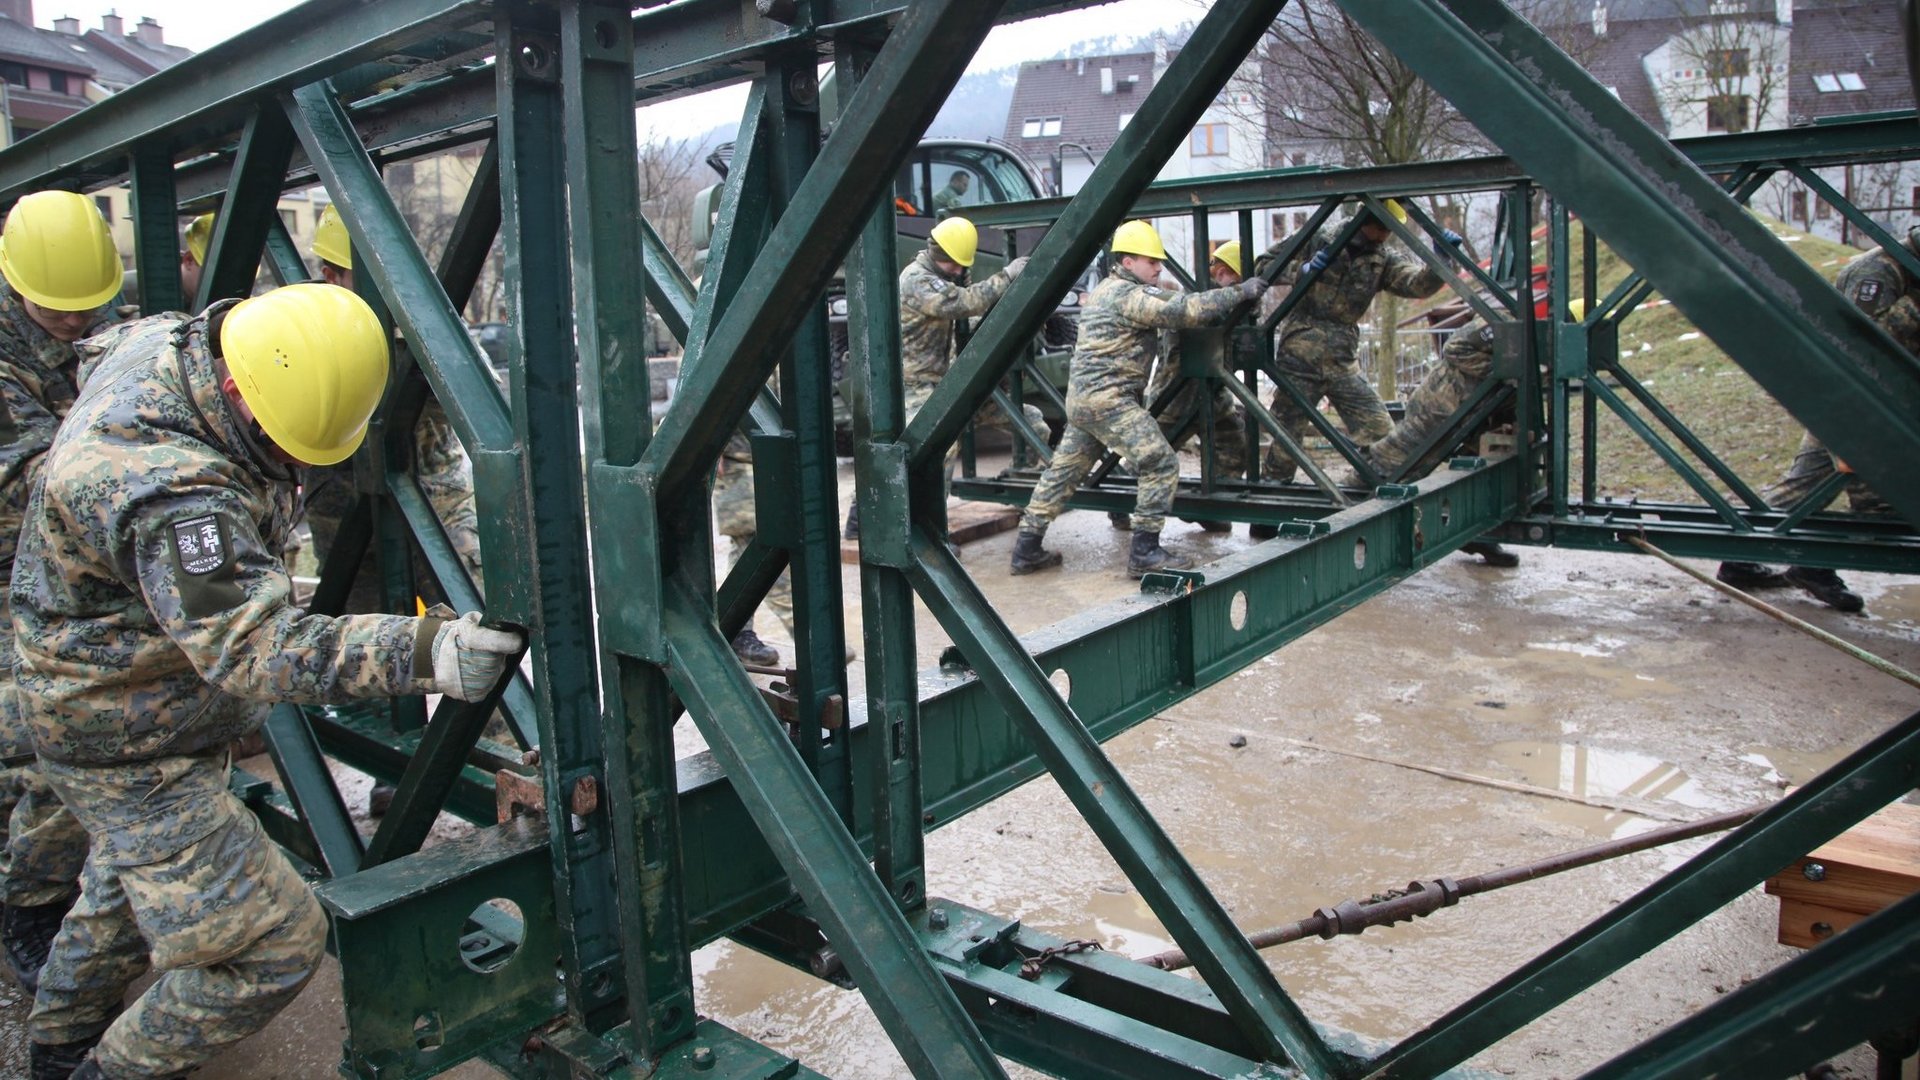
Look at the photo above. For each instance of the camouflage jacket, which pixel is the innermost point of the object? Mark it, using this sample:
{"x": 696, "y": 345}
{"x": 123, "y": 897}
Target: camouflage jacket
{"x": 1120, "y": 332}
{"x": 1340, "y": 296}
{"x": 39, "y": 377}
{"x": 150, "y": 601}
{"x": 1877, "y": 284}
{"x": 929, "y": 303}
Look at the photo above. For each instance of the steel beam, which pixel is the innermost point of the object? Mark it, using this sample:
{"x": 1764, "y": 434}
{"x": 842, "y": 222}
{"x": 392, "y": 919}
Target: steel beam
{"x": 213, "y": 93}
{"x": 1865, "y": 982}
{"x": 1225, "y": 35}
{"x": 790, "y": 812}
{"x": 157, "y": 230}
{"x": 1776, "y": 316}
{"x": 1863, "y": 782}
{"x": 603, "y": 201}
{"x": 920, "y": 63}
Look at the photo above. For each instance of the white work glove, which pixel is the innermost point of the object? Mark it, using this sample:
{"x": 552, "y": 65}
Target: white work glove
{"x": 468, "y": 658}
{"x": 1015, "y": 267}
{"x": 1253, "y": 288}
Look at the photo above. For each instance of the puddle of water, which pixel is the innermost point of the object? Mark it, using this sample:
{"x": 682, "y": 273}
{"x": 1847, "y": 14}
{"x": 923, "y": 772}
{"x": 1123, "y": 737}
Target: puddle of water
{"x": 1599, "y": 647}
{"x": 1594, "y": 772}
{"x": 1900, "y": 603}
{"x": 1794, "y": 766}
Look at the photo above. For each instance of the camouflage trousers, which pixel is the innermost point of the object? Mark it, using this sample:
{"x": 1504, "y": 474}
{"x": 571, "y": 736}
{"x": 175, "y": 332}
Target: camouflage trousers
{"x": 41, "y": 846}
{"x": 1129, "y": 430}
{"x": 733, "y": 515}
{"x": 1812, "y": 464}
{"x": 181, "y": 879}
{"x": 1185, "y": 420}
{"x": 990, "y": 417}
{"x": 1337, "y": 379}
{"x": 1431, "y": 403}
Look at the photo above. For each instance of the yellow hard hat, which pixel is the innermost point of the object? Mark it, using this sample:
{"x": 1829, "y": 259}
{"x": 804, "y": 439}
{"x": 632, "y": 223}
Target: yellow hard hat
{"x": 1577, "y": 310}
{"x": 330, "y": 240}
{"x": 957, "y": 238}
{"x": 311, "y": 362}
{"x": 199, "y": 236}
{"x": 1228, "y": 254}
{"x": 1137, "y": 238}
{"x": 56, "y": 251}
{"x": 1399, "y": 212}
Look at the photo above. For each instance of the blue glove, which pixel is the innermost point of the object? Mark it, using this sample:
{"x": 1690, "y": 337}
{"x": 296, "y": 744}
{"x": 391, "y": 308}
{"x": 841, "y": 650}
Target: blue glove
{"x": 1450, "y": 237}
{"x": 1317, "y": 263}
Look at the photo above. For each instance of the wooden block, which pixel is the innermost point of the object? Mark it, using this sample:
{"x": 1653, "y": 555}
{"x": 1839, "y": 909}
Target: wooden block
{"x": 1798, "y": 919}
{"x": 966, "y": 522}
{"x": 1863, "y": 870}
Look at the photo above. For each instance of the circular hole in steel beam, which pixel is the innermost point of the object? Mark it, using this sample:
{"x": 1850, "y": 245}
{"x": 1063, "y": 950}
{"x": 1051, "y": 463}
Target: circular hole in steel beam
{"x": 1360, "y": 553}
{"x": 490, "y": 936}
{"x": 1062, "y": 682}
{"x": 1237, "y": 610}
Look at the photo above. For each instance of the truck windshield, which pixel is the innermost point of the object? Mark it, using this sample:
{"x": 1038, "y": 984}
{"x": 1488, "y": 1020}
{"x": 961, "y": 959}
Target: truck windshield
{"x": 951, "y": 178}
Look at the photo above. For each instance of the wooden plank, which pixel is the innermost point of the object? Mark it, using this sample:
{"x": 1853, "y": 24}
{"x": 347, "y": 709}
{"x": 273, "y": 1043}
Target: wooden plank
{"x": 1860, "y": 872}
{"x": 1798, "y": 921}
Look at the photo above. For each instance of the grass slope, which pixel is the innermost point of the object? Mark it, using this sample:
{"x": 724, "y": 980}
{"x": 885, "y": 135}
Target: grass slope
{"x": 1705, "y": 389}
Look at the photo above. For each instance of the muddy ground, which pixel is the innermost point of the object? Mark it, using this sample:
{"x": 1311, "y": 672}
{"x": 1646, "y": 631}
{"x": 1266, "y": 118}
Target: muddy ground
{"x": 1597, "y": 678}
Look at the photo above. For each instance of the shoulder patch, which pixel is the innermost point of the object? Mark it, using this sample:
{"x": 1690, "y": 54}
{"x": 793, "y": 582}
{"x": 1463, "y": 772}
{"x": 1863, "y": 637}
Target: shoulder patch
{"x": 1486, "y": 332}
{"x": 1151, "y": 290}
{"x": 1867, "y": 291}
{"x": 939, "y": 284}
{"x": 200, "y": 545}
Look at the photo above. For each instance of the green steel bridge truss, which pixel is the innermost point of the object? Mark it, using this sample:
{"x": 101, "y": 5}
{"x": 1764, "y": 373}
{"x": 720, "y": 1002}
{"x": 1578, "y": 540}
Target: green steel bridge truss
{"x": 810, "y": 846}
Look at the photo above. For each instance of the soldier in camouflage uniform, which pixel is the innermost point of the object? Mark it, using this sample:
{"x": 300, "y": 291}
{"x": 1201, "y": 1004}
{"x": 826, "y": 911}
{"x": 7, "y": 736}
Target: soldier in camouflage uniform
{"x": 155, "y": 619}
{"x": 1184, "y": 418}
{"x": 60, "y": 270}
{"x": 733, "y": 511}
{"x": 934, "y": 297}
{"x": 1465, "y": 362}
{"x": 440, "y": 462}
{"x": 1878, "y": 285}
{"x": 1318, "y": 343}
{"x": 1119, "y": 335}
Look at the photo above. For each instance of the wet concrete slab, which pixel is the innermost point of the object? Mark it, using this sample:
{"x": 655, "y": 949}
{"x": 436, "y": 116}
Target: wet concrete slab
{"x": 1467, "y": 719}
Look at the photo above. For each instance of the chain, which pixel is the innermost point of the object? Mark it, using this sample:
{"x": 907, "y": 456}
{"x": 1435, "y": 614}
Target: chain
{"x": 1031, "y": 967}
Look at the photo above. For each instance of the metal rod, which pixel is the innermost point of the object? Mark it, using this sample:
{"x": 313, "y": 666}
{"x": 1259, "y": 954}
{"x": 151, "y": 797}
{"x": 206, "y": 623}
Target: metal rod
{"x": 1352, "y": 917}
{"x": 1878, "y": 663}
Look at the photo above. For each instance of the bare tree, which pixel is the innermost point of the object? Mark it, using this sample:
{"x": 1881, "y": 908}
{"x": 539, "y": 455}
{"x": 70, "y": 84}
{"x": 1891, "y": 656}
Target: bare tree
{"x": 1330, "y": 93}
{"x": 670, "y": 174}
{"x": 1725, "y": 69}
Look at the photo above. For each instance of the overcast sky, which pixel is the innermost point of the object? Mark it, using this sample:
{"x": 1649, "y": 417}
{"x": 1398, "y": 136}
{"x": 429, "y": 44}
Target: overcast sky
{"x": 198, "y": 24}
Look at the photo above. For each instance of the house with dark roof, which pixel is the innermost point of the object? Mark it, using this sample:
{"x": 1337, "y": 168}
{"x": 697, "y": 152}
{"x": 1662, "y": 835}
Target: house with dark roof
{"x": 49, "y": 75}
{"x": 1700, "y": 67}
{"x": 1066, "y": 114}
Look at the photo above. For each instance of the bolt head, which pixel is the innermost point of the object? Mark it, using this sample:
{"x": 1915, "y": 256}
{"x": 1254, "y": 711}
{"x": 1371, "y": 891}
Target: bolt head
{"x": 937, "y": 918}
{"x": 703, "y": 1057}
{"x": 1814, "y": 871}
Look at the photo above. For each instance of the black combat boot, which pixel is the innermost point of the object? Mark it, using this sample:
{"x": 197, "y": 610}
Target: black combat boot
{"x": 27, "y": 934}
{"x": 749, "y": 648}
{"x": 380, "y": 799}
{"x": 1751, "y": 575}
{"x": 1825, "y": 586}
{"x": 852, "y": 531}
{"x": 1147, "y": 555}
{"x": 1029, "y": 556}
{"x": 1491, "y": 553}
{"x": 61, "y": 1061}
{"x": 1120, "y": 520}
